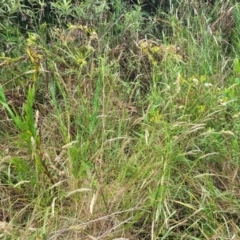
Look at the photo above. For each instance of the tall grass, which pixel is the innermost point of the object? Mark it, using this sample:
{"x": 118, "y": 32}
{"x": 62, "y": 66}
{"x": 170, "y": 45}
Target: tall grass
{"x": 120, "y": 124}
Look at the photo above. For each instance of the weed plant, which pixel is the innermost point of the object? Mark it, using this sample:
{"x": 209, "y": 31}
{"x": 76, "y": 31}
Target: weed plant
{"x": 119, "y": 124}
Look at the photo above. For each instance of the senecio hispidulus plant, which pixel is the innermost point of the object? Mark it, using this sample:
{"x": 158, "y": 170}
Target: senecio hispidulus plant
{"x": 27, "y": 123}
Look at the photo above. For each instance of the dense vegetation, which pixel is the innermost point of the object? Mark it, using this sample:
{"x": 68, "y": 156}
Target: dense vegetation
{"x": 119, "y": 120}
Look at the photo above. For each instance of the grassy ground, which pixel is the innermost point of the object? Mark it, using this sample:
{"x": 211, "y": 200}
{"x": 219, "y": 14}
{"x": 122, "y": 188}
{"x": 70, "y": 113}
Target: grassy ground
{"x": 116, "y": 124}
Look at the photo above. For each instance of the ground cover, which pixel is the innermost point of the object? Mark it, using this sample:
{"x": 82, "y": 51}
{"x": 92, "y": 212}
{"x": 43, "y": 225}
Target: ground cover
{"x": 117, "y": 123}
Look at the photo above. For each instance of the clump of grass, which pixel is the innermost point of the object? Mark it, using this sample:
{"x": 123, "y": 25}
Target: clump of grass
{"x": 121, "y": 129}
